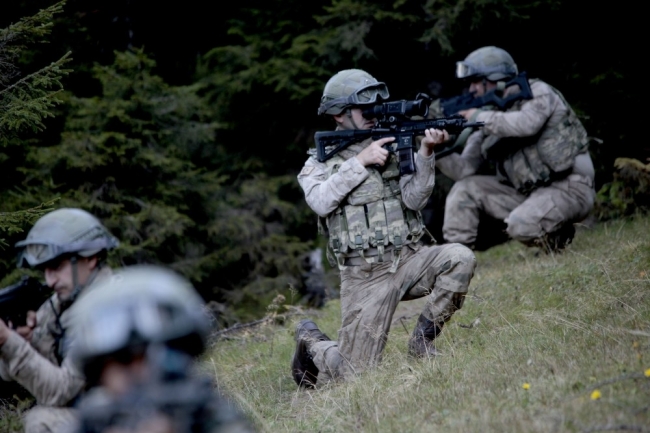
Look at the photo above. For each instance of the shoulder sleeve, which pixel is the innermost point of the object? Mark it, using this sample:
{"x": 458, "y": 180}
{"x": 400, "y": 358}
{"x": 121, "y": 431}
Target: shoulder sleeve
{"x": 324, "y": 191}
{"x": 416, "y": 188}
{"x": 529, "y": 119}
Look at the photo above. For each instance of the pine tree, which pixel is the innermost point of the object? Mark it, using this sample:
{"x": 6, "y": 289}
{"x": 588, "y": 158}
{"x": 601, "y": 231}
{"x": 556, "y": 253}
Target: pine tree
{"x": 142, "y": 157}
{"x": 130, "y": 157}
{"x": 25, "y": 101}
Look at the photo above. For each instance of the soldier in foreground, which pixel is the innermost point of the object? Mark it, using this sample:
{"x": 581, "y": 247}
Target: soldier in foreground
{"x": 70, "y": 247}
{"x": 136, "y": 339}
{"x": 377, "y": 238}
{"x": 544, "y": 177}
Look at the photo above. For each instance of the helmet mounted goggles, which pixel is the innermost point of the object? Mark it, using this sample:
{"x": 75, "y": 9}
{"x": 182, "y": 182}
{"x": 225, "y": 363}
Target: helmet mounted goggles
{"x": 36, "y": 254}
{"x": 466, "y": 70}
{"x": 117, "y": 326}
{"x": 362, "y": 96}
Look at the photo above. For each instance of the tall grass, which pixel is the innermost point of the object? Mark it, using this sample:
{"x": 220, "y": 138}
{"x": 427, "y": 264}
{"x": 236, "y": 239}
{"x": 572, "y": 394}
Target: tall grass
{"x": 557, "y": 343}
{"x": 543, "y": 344}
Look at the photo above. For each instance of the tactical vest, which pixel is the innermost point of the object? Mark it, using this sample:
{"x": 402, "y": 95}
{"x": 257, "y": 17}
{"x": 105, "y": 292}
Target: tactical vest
{"x": 372, "y": 219}
{"x": 542, "y": 158}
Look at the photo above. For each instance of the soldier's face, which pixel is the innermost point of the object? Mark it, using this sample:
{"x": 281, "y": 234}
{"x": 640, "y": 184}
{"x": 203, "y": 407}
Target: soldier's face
{"x": 59, "y": 275}
{"x": 481, "y": 87}
{"x": 353, "y": 119}
{"x": 119, "y": 377}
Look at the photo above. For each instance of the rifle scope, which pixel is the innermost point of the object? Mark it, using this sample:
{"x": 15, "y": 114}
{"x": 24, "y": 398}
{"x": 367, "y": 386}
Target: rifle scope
{"x": 402, "y": 108}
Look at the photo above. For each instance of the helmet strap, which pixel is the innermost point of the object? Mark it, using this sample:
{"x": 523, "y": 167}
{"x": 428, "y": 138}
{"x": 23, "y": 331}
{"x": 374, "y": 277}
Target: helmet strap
{"x": 348, "y": 113}
{"x": 77, "y": 288}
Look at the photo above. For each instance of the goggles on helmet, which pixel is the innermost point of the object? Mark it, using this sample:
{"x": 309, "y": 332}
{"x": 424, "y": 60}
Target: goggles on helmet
{"x": 116, "y": 327}
{"x": 361, "y": 96}
{"x": 464, "y": 70}
{"x": 36, "y": 254}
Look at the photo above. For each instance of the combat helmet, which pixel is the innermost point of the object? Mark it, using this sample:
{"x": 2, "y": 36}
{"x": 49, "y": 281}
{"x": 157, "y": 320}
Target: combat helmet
{"x": 491, "y": 63}
{"x": 64, "y": 232}
{"x": 348, "y": 88}
{"x": 137, "y": 307}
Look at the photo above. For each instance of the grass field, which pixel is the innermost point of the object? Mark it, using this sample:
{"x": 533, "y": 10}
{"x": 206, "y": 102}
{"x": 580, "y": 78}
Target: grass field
{"x": 557, "y": 343}
{"x": 543, "y": 344}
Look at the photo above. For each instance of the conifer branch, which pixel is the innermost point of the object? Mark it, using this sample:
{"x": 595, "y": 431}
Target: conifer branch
{"x": 12, "y": 222}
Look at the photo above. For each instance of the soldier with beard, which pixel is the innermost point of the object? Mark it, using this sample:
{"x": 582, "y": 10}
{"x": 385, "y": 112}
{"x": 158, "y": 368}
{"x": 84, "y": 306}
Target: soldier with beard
{"x": 70, "y": 246}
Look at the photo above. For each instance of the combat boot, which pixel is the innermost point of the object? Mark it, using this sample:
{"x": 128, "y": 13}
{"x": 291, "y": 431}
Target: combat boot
{"x": 558, "y": 240}
{"x": 421, "y": 343}
{"x": 303, "y": 369}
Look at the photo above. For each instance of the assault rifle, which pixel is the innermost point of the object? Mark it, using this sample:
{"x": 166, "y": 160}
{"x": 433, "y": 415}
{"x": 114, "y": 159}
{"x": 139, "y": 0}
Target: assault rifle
{"x": 494, "y": 97}
{"x": 393, "y": 121}
{"x": 16, "y": 300}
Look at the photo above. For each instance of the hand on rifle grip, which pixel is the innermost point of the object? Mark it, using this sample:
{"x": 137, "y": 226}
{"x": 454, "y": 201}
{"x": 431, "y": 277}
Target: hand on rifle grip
{"x": 375, "y": 154}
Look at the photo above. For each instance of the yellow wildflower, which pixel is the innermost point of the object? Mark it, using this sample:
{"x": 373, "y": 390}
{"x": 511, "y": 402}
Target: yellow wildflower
{"x": 595, "y": 395}
{"x": 526, "y": 386}
{"x": 647, "y": 372}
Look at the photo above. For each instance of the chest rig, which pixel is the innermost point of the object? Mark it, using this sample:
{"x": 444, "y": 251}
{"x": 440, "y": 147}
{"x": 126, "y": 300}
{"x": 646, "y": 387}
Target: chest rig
{"x": 372, "y": 220}
{"x": 543, "y": 158}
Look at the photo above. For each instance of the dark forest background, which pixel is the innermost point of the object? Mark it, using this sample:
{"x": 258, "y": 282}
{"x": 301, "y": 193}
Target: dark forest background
{"x": 183, "y": 125}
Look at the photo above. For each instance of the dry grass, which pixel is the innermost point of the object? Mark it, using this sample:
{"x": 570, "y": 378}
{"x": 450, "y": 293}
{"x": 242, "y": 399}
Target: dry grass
{"x": 571, "y": 327}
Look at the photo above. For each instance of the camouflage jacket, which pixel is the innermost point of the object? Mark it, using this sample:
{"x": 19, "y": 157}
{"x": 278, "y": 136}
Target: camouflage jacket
{"x": 368, "y": 200}
{"x": 533, "y": 143}
{"x": 36, "y": 366}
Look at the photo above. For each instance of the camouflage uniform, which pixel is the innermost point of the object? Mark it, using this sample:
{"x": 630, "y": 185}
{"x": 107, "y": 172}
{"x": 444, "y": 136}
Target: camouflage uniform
{"x": 43, "y": 367}
{"x": 560, "y": 190}
{"x": 382, "y": 260}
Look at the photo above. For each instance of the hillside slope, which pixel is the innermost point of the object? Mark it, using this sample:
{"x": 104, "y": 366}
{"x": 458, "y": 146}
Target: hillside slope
{"x": 542, "y": 344}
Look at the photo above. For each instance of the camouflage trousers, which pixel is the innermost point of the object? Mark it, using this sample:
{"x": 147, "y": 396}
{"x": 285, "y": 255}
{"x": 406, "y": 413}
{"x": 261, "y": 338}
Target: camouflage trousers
{"x": 46, "y": 419}
{"x": 530, "y": 217}
{"x": 370, "y": 294}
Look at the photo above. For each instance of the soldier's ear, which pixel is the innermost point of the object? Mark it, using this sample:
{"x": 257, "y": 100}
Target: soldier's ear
{"x": 93, "y": 261}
